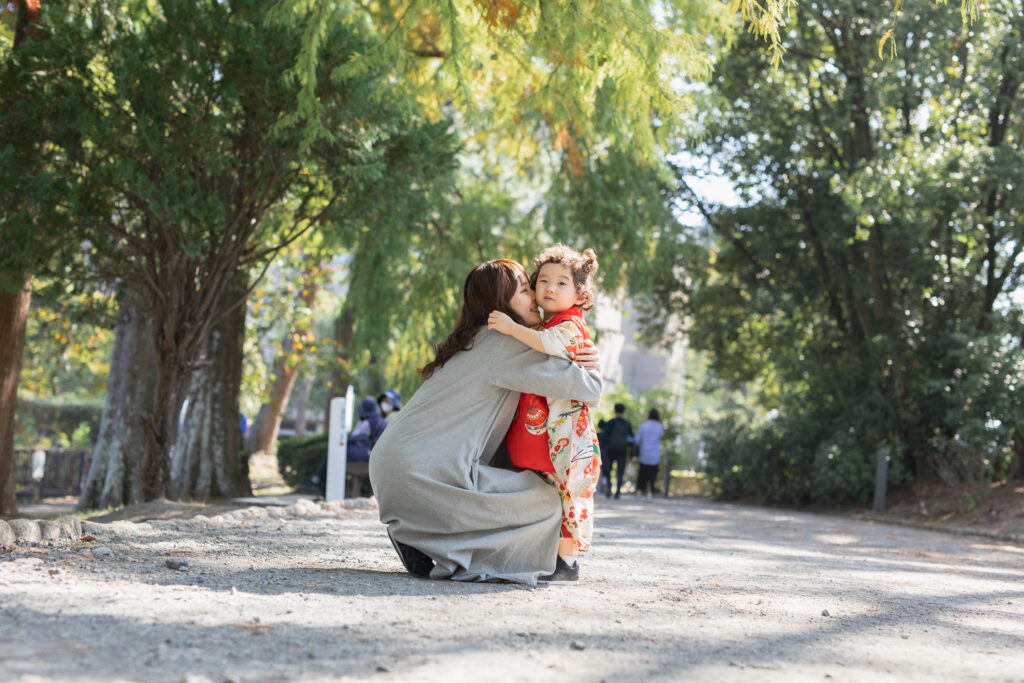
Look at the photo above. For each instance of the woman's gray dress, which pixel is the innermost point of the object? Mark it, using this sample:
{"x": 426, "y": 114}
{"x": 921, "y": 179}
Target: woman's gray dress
{"x": 431, "y": 469}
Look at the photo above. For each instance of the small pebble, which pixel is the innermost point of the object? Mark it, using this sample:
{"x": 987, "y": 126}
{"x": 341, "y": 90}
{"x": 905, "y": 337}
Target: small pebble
{"x": 577, "y": 645}
{"x": 825, "y": 613}
{"x": 179, "y": 563}
{"x": 194, "y": 678}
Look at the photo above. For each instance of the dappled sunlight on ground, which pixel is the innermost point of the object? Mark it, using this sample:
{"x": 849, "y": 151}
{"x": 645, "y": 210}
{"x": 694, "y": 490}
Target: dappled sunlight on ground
{"x": 836, "y": 539}
{"x": 672, "y": 589}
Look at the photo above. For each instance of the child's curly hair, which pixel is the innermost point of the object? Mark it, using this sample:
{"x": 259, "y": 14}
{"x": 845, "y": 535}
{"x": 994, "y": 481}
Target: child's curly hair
{"x": 583, "y": 267}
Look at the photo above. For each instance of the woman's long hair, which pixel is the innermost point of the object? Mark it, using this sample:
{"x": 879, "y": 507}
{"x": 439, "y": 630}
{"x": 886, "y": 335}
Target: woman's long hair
{"x": 489, "y": 287}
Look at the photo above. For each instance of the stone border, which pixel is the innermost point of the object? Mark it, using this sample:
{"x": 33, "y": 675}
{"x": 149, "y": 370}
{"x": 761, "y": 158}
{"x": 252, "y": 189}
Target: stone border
{"x": 63, "y": 530}
{"x": 71, "y": 529}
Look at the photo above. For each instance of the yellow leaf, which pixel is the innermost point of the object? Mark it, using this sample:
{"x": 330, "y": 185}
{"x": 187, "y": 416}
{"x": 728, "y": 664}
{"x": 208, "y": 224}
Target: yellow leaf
{"x": 887, "y": 37}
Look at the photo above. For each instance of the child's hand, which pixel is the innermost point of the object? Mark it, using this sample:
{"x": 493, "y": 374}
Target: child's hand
{"x": 500, "y": 321}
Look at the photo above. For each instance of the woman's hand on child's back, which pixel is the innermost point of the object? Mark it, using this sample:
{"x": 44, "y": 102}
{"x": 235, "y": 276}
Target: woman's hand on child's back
{"x": 501, "y": 322}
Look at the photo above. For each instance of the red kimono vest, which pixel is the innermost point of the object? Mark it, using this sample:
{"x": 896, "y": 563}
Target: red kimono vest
{"x": 527, "y": 438}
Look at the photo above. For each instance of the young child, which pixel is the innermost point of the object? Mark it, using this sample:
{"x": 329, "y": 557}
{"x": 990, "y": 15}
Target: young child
{"x": 555, "y": 436}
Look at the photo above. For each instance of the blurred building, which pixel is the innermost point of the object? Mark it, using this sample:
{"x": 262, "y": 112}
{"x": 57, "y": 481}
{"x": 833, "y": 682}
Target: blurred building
{"x": 626, "y": 360}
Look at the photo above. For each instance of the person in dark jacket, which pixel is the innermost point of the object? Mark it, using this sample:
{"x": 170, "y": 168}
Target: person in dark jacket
{"x": 366, "y": 432}
{"x": 604, "y": 483}
{"x": 615, "y": 439}
{"x": 360, "y": 441}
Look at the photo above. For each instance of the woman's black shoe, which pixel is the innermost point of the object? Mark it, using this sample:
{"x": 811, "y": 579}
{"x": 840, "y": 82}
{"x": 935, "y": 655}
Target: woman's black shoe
{"x": 416, "y": 563}
{"x": 563, "y": 574}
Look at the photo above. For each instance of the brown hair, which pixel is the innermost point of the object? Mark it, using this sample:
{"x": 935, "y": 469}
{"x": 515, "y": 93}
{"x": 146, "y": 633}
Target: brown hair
{"x": 489, "y": 287}
{"x": 583, "y": 267}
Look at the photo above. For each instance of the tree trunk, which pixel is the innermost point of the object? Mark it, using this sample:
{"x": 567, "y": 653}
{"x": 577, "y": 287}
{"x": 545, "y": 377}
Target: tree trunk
{"x": 207, "y": 458}
{"x": 115, "y": 476}
{"x": 13, "y": 317}
{"x": 301, "y": 406}
{"x": 263, "y": 435}
{"x": 161, "y": 420}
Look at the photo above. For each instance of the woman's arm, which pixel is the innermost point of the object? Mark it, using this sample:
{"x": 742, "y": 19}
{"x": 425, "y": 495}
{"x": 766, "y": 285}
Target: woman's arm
{"x": 521, "y": 369}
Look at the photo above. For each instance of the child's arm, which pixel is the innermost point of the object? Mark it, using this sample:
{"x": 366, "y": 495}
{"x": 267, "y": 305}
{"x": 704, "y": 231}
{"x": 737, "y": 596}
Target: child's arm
{"x": 502, "y": 323}
{"x": 558, "y": 341}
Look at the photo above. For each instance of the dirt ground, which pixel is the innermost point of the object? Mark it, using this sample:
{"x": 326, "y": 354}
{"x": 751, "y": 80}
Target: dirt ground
{"x": 994, "y": 509}
{"x": 678, "y": 589}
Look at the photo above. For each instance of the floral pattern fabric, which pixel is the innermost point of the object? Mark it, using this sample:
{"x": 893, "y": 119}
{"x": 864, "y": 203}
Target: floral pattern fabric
{"x": 572, "y": 439}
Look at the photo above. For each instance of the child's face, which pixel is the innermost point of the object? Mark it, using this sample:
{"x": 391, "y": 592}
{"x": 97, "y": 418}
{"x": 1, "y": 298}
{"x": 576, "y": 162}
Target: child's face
{"x": 556, "y": 291}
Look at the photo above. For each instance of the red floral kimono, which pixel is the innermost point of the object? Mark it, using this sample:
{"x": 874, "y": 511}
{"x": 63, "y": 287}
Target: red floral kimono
{"x": 557, "y": 437}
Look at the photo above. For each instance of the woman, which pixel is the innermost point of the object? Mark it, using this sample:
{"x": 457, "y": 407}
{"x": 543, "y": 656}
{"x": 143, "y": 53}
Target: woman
{"x": 648, "y": 443}
{"x": 450, "y": 512}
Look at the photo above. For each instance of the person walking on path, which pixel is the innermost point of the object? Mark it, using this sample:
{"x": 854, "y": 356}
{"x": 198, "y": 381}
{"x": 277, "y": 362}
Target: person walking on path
{"x": 648, "y": 444}
{"x": 618, "y": 435}
{"x": 450, "y": 512}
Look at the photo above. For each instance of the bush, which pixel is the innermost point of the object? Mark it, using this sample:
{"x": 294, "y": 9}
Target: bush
{"x": 795, "y": 461}
{"x": 754, "y": 462}
{"x": 42, "y": 424}
{"x": 297, "y": 459}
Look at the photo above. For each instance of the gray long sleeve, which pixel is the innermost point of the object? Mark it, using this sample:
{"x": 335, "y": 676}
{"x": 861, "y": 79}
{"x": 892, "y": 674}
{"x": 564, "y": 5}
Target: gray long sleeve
{"x": 526, "y": 370}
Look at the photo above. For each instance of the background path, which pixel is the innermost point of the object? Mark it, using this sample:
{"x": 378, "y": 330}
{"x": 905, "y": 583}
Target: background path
{"x": 673, "y": 590}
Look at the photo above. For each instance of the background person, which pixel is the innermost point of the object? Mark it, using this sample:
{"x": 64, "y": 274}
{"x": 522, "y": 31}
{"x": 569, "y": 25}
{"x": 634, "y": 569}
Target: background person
{"x": 390, "y": 402}
{"x": 367, "y": 431}
{"x": 618, "y": 434}
{"x": 648, "y": 444}
{"x": 361, "y": 441}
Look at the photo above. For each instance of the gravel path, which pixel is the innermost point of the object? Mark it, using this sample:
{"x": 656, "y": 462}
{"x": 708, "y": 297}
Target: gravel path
{"x": 672, "y": 590}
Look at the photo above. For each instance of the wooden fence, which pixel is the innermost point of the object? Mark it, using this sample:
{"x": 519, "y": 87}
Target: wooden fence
{"x": 49, "y": 473}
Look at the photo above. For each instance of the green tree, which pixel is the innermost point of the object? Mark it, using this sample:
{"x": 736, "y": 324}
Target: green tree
{"x": 171, "y": 122}
{"x": 28, "y": 223}
{"x": 403, "y": 287}
{"x": 298, "y": 296}
{"x": 863, "y": 285}
{"x": 542, "y": 67}
{"x": 541, "y": 91}
{"x": 68, "y": 339}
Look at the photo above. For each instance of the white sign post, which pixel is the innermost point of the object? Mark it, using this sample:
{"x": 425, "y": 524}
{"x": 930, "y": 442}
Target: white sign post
{"x": 337, "y": 443}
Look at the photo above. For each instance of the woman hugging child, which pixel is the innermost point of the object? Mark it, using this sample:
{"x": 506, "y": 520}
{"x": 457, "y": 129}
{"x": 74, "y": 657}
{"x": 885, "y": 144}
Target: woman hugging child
{"x": 556, "y": 437}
